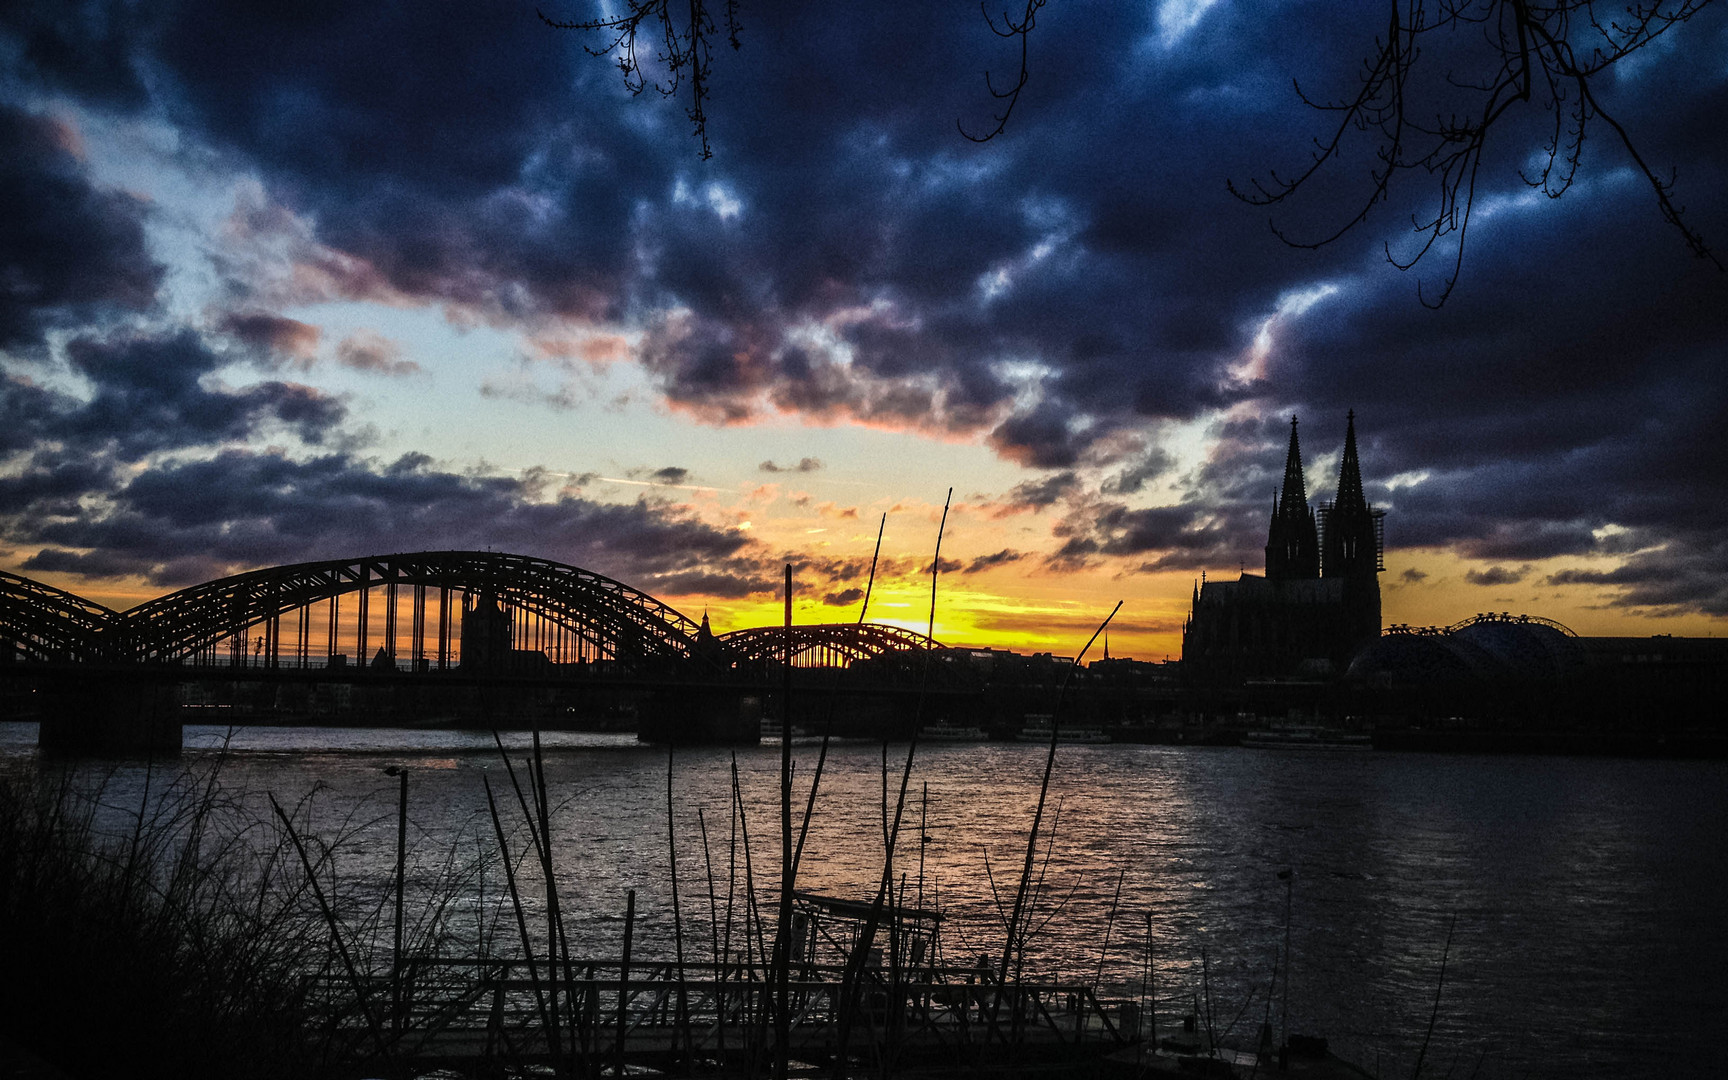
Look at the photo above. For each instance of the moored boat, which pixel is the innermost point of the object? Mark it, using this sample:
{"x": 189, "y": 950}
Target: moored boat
{"x": 947, "y": 731}
{"x": 1307, "y": 737}
{"x": 1038, "y": 726}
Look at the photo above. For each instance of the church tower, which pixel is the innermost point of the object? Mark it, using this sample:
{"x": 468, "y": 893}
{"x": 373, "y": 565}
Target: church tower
{"x": 486, "y": 631}
{"x": 1292, "y": 542}
{"x": 1353, "y": 544}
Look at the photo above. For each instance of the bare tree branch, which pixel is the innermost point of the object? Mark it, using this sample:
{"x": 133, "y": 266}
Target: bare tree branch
{"x": 683, "y": 51}
{"x": 1532, "y": 52}
{"x": 1411, "y": 113}
{"x": 1010, "y": 28}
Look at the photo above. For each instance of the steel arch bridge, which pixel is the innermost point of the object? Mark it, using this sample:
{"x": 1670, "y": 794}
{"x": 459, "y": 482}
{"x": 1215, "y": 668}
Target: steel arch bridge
{"x": 567, "y": 612}
{"x": 611, "y": 619}
{"x": 824, "y": 644}
{"x": 39, "y": 622}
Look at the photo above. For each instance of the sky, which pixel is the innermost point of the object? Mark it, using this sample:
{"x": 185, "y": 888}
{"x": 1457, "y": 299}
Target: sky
{"x": 286, "y": 282}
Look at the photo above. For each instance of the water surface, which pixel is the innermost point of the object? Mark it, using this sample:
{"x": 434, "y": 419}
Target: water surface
{"x": 1584, "y": 896}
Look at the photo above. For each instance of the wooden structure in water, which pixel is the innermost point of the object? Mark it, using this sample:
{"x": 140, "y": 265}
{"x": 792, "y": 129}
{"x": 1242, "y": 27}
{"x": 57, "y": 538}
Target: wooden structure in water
{"x": 897, "y": 1011}
{"x": 588, "y": 1017}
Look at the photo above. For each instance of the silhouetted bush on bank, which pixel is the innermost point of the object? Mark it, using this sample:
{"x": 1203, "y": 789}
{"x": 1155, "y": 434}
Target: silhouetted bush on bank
{"x": 175, "y": 947}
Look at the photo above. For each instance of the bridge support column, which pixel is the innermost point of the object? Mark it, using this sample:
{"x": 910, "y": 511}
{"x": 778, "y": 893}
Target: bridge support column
{"x": 692, "y": 716}
{"x": 105, "y": 715}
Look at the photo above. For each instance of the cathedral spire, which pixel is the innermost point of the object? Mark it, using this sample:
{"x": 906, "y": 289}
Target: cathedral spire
{"x": 1352, "y": 544}
{"x": 1292, "y": 542}
{"x": 1350, "y": 471}
{"x": 1295, "y": 489}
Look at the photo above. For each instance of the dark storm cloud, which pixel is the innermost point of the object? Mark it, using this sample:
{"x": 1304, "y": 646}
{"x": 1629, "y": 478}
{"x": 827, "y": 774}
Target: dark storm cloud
{"x": 843, "y": 598}
{"x": 1133, "y": 476}
{"x": 27, "y": 411}
{"x": 847, "y": 258}
{"x": 66, "y": 248}
{"x": 1496, "y": 575}
{"x": 51, "y": 482}
{"x": 1686, "y": 573}
{"x": 1000, "y": 558}
{"x": 72, "y": 456}
{"x": 831, "y": 571}
{"x": 82, "y": 48}
{"x": 462, "y": 153}
{"x": 1040, "y": 439}
{"x": 1038, "y": 494}
{"x": 491, "y": 191}
{"x": 183, "y": 522}
{"x": 1184, "y": 537}
{"x": 671, "y": 474}
{"x": 150, "y": 394}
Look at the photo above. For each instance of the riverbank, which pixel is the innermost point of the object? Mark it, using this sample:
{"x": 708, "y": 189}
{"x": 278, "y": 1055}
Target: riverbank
{"x": 164, "y": 944}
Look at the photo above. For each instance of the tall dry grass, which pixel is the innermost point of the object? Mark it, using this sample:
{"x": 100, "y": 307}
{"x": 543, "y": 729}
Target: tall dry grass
{"x": 176, "y": 943}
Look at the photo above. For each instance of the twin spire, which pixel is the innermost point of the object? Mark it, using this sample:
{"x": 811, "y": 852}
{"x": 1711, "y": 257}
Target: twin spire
{"x": 1294, "y": 545}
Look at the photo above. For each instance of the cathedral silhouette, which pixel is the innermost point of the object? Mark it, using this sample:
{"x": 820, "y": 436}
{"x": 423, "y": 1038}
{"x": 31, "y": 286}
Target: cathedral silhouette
{"x": 1317, "y": 603}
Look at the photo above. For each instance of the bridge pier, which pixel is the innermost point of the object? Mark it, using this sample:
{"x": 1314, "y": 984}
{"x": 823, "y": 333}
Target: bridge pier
{"x": 107, "y": 715}
{"x": 692, "y": 716}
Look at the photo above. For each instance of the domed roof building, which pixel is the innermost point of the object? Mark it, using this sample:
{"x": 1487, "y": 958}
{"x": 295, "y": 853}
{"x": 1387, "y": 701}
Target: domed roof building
{"x": 1484, "y": 648}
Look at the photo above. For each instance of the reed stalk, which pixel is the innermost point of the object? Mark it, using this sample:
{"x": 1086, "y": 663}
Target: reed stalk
{"x": 1110, "y": 924}
{"x": 401, "y": 871}
{"x": 683, "y": 1026}
{"x": 624, "y": 980}
{"x": 1010, "y": 946}
{"x": 557, "y": 946}
{"x": 884, "y": 888}
{"x": 516, "y": 905}
{"x": 1439, "y": 985}
{"x": 828, "y": 727}
{"x": 1206, "y": 989}
{"x": 354, "y": 979}
{"x": 714, "y": 953}
{"x": 783, "y": 928}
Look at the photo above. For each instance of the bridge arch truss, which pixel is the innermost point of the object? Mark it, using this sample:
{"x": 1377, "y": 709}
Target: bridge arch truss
{"x": 274, "y": 617}
{"x": 824, "y": 644}
{"x": 41, "y": 623}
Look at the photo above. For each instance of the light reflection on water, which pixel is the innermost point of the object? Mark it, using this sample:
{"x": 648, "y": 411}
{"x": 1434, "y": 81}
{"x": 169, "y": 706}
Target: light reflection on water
{"x": 1588, "y": 894}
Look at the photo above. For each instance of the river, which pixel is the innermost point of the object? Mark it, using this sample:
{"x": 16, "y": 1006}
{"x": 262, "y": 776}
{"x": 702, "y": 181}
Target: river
{"x": 1584, "y": 897}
